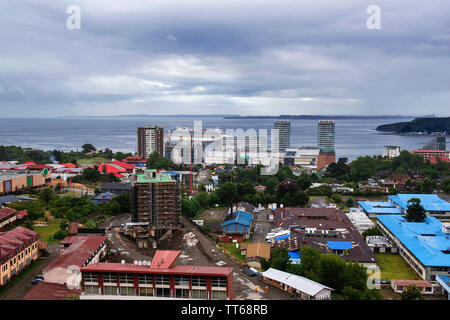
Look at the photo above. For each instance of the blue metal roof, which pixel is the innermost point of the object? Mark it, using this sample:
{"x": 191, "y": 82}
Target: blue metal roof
{"x": 339, "y": 245}
{"x": 425, "y": 240}
{"x": 377, "y": 207}
{"x": 294, "y": 257}
{"x": 430, "y": 202}
{"x": 6, "y": 199}
{"x": 240, "y": 217}
{"x": 444, "y": 281}
{"x": 282, "y": 237}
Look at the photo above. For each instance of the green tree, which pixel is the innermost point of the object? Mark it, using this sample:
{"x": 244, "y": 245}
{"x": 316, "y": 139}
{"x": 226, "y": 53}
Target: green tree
{"x": 87, "y": 147}
{"x": 446, "y": 185}
{"x": 153, "y": 158}
{"x": 412, "y": 293}
{"x": 279, "y": 259}
{"x": 350, "y": 203}
{"x": 45, "y": 195}
{"x": 228, "y": 193}
{"x": 415, "y": 211}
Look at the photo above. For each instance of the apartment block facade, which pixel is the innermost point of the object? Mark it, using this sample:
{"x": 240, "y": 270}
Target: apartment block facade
{"x": 150, "y": 138}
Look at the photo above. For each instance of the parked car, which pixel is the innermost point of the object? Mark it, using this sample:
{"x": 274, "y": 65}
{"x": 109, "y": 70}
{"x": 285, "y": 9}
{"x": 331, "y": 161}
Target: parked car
{"x": 37, "y": 279}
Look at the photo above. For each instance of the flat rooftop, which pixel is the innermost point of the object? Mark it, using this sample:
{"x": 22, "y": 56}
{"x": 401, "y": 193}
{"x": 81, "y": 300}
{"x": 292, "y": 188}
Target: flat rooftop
{"x": 377, "y": 207}
{"x": 425, "y": 240}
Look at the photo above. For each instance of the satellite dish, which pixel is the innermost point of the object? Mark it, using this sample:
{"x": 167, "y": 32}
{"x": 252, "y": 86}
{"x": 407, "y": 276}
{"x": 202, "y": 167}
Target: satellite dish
{"x": 144, "y": 263}
{"x": 135, "y": 262}
{"x": 122, "y": 262}
{"x": 140, "y": 262}
{"x": 149, "y": 263}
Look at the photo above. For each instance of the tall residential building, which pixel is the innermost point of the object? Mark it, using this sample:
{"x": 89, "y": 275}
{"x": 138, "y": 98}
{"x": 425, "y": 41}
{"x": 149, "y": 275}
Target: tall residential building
{"x": 326, "y": 134}
{"x": 150, "y": 138}
{"x": 155, "y": 201}
{"x": 437, "y": 143}
{"x": 284, "y": 134}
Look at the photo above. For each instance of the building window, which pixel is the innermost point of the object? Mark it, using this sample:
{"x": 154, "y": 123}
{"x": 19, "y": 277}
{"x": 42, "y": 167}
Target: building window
{"x": 198, "y": 294}
{"x": 126, "y": 278}
{"x": 218, "y": 295}
{"x": 110, "y": 290}
{"x": 219, "y": 282}
{"x": 160, "y": 279}
{"x": 90, "y": 277}
{"x": 91, "y": 290}
{"x": 162, "y": 292}
{"x": 145, "y": 279}
{"x": 182, "y": 293}
{"x": 198, "y": 281}
{"x": 145, "y": 291}
{"x": 109, "y": 278}
{"x": 181, "y": 281}
{"x": 127, "y": 291}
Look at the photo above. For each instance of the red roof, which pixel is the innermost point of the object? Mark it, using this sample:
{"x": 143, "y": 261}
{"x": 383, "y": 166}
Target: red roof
{"x": 80, "y": 250}
{"x": 132, "y": 159}
{"x": 417, "y": 283}
{"x": 443, "y": 159}
{"x": 123, "y": 165}
{"x": 36, "y": 166}
{"x": 69, "y": 165}
{"x": 110, "y": 168}
{"x": 7, "y": 212}
{"x": 164, "y": 259}
{"x": 51, "y": 291}
{"x": 21, "y": 214}
{"x": 183, "y": 270}
{"x": 118, "y": 175}
{"x": 17, "y": 238}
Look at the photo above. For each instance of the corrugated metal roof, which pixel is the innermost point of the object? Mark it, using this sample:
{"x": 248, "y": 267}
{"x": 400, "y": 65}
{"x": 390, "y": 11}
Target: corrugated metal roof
{"x": 300, "y": 283}
{"x": 240, "y": 217}
{"x": 377, "y": 207}
{"x": 423, "y": 239}
{"x": 430, "y": 202}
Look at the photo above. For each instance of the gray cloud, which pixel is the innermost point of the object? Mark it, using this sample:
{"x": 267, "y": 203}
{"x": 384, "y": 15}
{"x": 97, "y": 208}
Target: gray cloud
{"x": 257, "y": 57}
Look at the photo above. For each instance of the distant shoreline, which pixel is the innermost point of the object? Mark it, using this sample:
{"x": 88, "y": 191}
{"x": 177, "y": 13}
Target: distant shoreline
{"x": 320, "y": 117}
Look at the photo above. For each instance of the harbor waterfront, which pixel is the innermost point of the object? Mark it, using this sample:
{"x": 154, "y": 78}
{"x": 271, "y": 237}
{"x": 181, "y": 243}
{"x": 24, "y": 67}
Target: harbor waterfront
{"x": 354, "y": 137}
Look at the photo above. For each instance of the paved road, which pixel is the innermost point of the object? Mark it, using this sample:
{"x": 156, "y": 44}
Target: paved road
{"x": 21, "y": 288}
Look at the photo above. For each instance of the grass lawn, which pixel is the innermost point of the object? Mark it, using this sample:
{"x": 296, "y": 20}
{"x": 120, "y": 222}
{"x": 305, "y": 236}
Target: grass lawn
{"x": 46, "y": 231}
{"x": 393, "y": 267}
{"x": 230, "y": 248}
{"x": 93, "y": 160}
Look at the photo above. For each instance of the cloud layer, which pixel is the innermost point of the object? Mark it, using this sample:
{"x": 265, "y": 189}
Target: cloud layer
{"x": 259, "y": 57}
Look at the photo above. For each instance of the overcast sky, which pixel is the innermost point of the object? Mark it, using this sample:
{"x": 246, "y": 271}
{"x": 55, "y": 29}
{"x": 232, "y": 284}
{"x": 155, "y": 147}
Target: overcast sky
{"x": 224, "y": 57}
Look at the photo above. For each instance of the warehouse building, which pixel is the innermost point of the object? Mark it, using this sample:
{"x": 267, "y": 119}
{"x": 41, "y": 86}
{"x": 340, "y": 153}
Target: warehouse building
{"x": 425, "y": 246}
{"x": 303, "y": 288}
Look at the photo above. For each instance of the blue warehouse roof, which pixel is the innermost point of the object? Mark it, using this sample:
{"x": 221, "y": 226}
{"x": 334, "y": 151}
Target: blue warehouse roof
{"x": 240, "y": 217}
{"x": 425, "y": 240}
{"x": 430, "y": 202}
{"x": 339, "y": 245}
{"x": 377, "y": 207}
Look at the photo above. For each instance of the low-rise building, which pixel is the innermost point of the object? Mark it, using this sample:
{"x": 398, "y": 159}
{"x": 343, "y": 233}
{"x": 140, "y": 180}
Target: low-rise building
{"x": 18, "y": 248}
{"x": 254, "y": 252}
{"x": 104, "y": 197}
{"x": 401, "y": 285}
{"x": 423, "y": 245}
{"x": 239, "y": 222}
{"x": 7, "y": 216}
{"x": 433, "y": 205}
{"x": 374, "y": 208}
{"x": 161, "y": 279}
{"x": 360, "y": 220}
{"x": 326, "y": 229}
{"x": 380, "y": 244}
{"x": 391, "y": 151}
{"x": 302, "y": 287}
{"x": 78, "y": 251}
